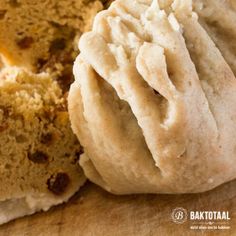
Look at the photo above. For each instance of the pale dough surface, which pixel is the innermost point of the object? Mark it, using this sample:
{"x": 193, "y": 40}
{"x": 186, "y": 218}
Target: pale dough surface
{"x": 153, "y": 103}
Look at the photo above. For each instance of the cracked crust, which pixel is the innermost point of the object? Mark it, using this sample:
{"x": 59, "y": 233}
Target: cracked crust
{"x": 178, "y": 131}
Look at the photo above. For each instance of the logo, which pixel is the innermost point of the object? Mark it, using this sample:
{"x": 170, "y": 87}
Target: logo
{"x": 209, "y": 215}
{"x": 179, "y": 215}
{"x": 202, "y": 220}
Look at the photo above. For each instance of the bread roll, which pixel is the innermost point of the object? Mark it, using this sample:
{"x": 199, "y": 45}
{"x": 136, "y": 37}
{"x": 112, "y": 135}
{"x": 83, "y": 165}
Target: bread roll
{"x": 153, "y": 101}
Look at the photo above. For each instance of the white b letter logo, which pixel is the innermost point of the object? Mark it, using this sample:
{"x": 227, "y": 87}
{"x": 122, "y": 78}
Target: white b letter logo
{"x": 179, "y": 215}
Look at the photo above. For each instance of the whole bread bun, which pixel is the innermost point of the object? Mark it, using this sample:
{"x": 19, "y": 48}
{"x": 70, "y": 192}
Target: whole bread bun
{"x": 153, "y": 103}
{"x": 38, "y": 152}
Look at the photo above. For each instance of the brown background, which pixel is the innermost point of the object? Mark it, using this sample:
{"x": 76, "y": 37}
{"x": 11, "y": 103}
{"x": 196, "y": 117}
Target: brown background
{"x": 94, "y": 212}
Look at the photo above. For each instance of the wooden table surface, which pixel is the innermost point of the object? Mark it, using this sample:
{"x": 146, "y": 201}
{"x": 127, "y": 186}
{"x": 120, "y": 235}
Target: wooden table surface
{"x": 92, "y": 211}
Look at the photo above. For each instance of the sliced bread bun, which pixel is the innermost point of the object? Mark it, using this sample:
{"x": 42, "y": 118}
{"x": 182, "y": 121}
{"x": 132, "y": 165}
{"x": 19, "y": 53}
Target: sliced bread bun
{"x": 33, "y": 31}
{"x": 41, "y": 35}
{"x": 39, "y": 152}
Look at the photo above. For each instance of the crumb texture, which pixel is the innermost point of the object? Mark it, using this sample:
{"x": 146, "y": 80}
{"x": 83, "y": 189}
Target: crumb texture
{"x": 42, "y": 35}
{"x": 39, "y": 152}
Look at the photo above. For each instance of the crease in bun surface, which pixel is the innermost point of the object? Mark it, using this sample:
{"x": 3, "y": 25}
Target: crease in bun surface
{"x": 153, "y": 101}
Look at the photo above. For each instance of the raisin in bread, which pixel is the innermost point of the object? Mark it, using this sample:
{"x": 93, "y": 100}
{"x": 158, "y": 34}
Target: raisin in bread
{"x": 39, "y": 152}
{"x": 153, "y": 103}
{"x": 40, "y": 35}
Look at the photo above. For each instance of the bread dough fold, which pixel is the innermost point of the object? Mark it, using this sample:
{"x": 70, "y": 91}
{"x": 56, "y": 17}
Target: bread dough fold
{"x": 152, "y": 103}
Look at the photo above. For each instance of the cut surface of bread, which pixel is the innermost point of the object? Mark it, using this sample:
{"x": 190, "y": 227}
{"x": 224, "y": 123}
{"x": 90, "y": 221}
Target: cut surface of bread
{"x": 33, "y": 30}
{"x": 39, "y": 152}
{"x": 41, "y": 35}
{"x": 153, "y": 101}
